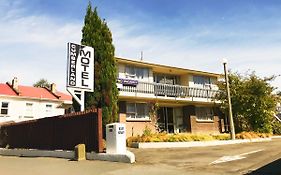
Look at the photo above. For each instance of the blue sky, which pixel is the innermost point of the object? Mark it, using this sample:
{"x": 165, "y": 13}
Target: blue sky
{"x": 186, "y": 33}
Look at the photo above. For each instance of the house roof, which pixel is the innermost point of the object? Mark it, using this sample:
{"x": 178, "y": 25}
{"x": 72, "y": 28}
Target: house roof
{"x": 33, "y": 92}
{"x": 163, "y": 67}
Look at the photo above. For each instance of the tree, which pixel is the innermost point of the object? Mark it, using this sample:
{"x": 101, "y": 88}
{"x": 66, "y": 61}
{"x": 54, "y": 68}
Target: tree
{"x": 253, "y": 103}
{"x": 96, "y": 34}
{"x": 42, "y": 83}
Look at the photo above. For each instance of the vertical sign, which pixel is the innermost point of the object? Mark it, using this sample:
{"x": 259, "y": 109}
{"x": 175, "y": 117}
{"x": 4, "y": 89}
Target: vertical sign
{"x": 80, "y": 71}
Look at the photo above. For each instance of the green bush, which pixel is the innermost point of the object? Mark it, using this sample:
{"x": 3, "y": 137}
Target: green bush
{"x": 147, "y": 131}
{"x": 276, "y": 128}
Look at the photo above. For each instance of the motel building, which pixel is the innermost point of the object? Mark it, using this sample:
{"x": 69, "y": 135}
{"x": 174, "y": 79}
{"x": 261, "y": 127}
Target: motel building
{"x": 185, "y": 98}
{"x": 20, "y": 103}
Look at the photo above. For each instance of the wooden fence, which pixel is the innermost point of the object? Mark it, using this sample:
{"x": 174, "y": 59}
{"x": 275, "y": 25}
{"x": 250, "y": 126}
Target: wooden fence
{"x": 62, "y": 132}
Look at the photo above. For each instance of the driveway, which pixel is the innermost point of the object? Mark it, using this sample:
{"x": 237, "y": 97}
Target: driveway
{"x": 228, "y": 159}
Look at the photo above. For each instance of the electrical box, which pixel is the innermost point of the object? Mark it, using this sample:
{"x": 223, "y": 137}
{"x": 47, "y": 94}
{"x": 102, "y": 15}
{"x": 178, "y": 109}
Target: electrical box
{"x": 116, "y": 138}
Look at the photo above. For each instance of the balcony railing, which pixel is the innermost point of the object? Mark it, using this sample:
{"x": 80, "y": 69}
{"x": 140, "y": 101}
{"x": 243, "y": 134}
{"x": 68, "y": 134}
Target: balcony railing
{"x": 167, "y": 90}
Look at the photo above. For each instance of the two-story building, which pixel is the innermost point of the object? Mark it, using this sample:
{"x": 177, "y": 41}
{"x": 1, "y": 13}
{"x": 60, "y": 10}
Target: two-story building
{"x": 167, "y": 98}
{"x": 20, "y": 103}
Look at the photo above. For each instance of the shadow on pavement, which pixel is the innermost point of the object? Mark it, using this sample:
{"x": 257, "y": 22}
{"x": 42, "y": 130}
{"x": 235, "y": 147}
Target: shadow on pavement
{"x": 273, "y": 168}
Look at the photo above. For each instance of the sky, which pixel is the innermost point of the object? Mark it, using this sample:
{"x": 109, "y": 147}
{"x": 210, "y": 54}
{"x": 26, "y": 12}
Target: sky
{"x": 184, "y": 33}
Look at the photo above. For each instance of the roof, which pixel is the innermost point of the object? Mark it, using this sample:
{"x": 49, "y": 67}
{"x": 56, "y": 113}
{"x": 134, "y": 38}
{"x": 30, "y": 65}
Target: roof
{"x": 33, "y": 92}
{"x": 148, "y": 64}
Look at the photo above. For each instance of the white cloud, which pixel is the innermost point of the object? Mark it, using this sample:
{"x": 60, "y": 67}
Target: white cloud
{"x": 183, "y": 50}
{"x": 34, "y": 47}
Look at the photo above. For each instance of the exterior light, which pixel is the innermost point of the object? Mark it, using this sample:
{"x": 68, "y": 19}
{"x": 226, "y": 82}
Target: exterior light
{"x": 232, "y": 130}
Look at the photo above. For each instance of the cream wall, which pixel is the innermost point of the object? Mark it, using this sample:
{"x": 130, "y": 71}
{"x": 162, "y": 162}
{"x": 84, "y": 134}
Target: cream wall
{"x": 185, "y": 79}
{"x": 17, "y": 108}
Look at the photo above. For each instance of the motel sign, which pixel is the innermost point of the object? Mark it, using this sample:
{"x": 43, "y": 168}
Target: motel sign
{"x": 80, "y": 71}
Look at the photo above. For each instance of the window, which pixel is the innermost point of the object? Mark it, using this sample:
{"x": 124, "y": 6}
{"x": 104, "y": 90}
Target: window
{"x": 136, "y": 72}
{"x": 4, "y": 108}
{"x": 204, "y": 113}
{"x": 48, "y": 108}
{"x": 28, "y": 110}
{"x": 166, "y": 79}
{"x": 201, "y": 81}
{"x": 137, "y": 111}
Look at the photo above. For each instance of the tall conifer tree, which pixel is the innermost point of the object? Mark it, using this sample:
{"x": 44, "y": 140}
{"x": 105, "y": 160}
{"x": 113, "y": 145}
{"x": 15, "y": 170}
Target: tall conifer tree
{"x": 96, "y": 34}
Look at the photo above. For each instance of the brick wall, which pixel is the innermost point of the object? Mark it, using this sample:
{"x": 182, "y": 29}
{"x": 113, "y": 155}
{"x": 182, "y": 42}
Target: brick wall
{"x": 134, "y": 128}
{"x": 205, "y": 126}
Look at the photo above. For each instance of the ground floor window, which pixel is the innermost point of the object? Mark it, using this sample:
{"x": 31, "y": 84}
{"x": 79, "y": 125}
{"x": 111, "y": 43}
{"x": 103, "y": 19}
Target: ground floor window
{"x": 137, "y": 111}
{"x": 49, "y": 108}
{"x": 204, "y": 113}
{"x": 28, "y": 110}
{"x": 4, "y": 108}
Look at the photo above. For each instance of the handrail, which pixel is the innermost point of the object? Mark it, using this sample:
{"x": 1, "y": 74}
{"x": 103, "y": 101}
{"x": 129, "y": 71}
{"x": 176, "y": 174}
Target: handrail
{"x": 159, "y": 89}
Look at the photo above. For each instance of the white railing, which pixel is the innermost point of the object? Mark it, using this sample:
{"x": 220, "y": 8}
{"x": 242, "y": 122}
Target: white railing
{"x": 159, "y": 89}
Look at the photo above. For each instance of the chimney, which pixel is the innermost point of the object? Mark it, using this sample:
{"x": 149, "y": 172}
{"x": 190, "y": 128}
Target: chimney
{"x": 15, "y": 84}
{"x": 53, "y": 88}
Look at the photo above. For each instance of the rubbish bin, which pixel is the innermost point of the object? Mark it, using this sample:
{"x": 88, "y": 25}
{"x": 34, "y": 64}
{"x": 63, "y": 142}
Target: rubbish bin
{"x": 116, "y": 138}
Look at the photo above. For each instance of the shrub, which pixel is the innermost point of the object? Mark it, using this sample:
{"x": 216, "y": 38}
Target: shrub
{"x": 276, "y": 128}
{"x": 187, "y": 137}
{"x": 147, "y": 131}
{"x": 252, "y": 135}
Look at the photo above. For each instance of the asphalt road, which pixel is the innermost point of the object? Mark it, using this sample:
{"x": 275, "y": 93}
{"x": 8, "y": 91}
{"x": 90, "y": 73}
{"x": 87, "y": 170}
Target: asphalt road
{"x": 262, "y": 158}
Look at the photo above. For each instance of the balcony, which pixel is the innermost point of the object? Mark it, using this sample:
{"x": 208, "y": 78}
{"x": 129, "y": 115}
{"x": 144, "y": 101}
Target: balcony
{"x": 165, "y": 90}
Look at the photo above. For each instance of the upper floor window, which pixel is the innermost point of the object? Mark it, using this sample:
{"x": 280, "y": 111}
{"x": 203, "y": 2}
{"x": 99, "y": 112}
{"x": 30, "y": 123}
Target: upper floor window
{"x": 4, "y": 108}
{"x": 136, "y": 72}
{"x": 137, "y": 111}
{"x": 204, "y": 113}
{"x": 166, "y": 79}
{"x": 201, "y": 81}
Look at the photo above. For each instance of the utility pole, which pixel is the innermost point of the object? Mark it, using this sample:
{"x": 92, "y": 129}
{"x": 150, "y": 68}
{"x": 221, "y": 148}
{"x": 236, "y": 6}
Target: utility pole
{"x": 232, "y": 130}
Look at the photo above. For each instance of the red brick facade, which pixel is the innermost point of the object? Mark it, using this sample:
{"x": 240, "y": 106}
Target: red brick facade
{"x": 190, "y": 123}
{"x": 134, "y": 128}
{"x": 205, "y": 126}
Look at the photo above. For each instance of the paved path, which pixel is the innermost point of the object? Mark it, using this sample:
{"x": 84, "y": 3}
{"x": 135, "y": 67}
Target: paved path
{"x": 162, "y": 161}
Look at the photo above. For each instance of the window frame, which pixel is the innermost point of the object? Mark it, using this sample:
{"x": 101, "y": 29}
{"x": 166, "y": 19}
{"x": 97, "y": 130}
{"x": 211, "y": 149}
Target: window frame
{"x": 135, "y": 113}
{"x": 207, "y": 117}
{"x": 49, "y": 108}
{"x": 134, "y": 73}
{"x": 204, "y": 81}
{"x": 29, "y": 110}
{"x": 4, "y": 108}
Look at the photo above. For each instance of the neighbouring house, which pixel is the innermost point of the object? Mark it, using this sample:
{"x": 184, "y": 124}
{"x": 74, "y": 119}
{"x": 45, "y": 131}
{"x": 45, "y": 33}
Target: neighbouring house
{"x": 167, "y": 98}
{"x": 19, "y": 103}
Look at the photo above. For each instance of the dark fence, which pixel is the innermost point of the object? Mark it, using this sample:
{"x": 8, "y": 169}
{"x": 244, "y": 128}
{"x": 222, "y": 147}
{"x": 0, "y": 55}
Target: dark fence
{"x": 56, "y": 133}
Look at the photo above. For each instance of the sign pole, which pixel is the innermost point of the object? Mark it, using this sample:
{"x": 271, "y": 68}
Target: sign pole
{"x": 82, "y": 104}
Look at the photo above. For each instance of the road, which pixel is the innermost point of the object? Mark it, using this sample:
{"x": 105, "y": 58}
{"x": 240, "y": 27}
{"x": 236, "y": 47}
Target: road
{"x": 248, "y": 158}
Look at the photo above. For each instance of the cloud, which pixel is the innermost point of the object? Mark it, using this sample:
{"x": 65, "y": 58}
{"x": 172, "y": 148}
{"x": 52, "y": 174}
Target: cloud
{"x": 202, "y": 50}
{"x": 34, "y": 47}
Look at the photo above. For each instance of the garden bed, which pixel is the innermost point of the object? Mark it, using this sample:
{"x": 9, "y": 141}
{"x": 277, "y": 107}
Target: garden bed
{"x": 185, "y": 139}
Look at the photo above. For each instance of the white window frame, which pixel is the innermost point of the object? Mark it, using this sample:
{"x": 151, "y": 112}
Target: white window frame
{"x": 4, "y": 108}
{"x": 49, "y": 108}
{"x": 133, "y": 115}
{"x": 205, "y": 81}
{"x": 206, "y": 115}
{"x": 28, "y": 110}
{"x": 135, "y": 75}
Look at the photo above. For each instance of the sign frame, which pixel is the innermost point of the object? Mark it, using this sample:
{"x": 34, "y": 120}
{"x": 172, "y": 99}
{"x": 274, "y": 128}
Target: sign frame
{"x": 80, "y": 71}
